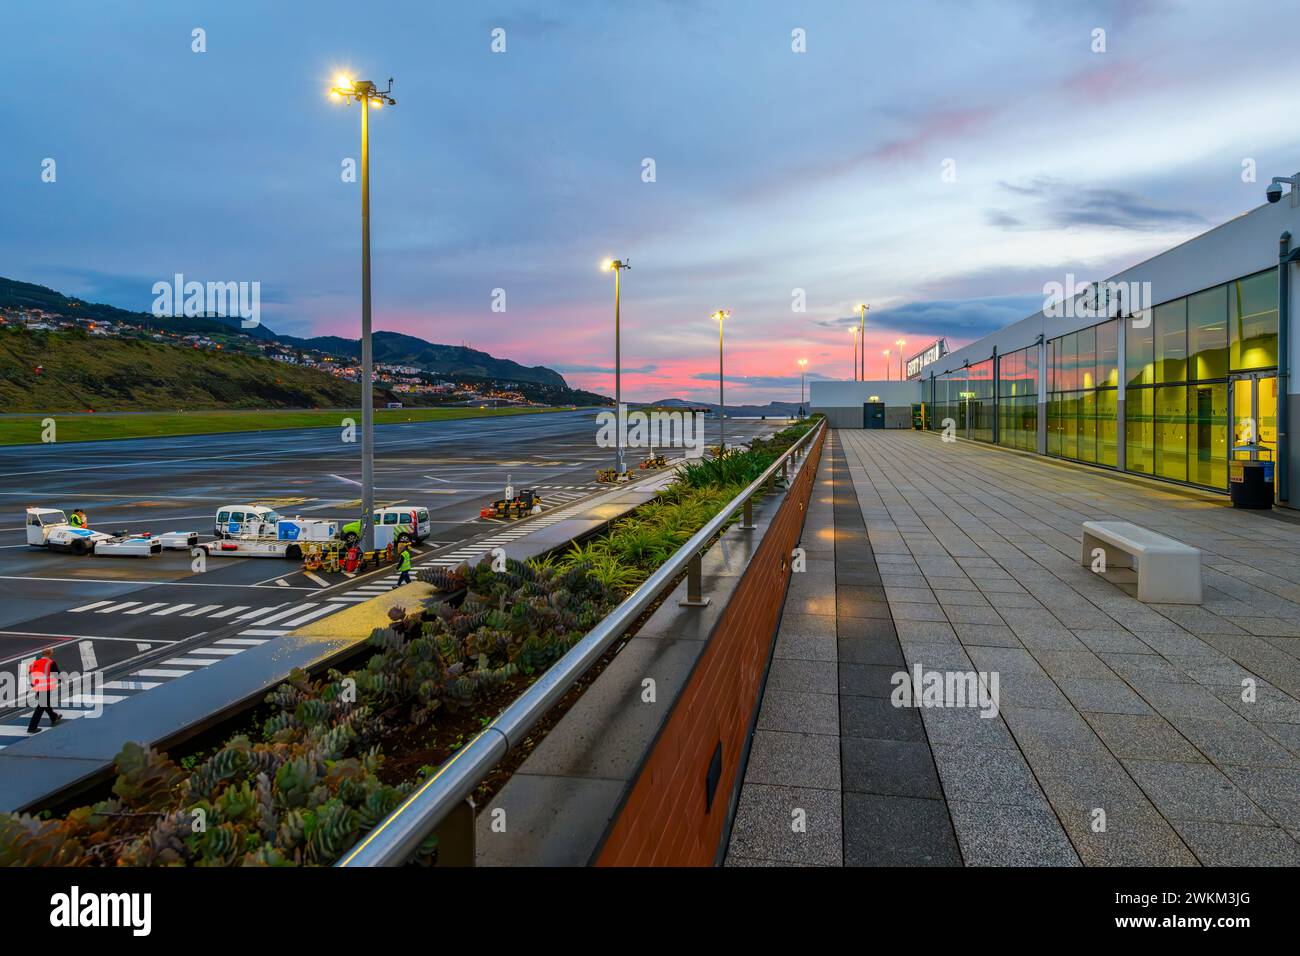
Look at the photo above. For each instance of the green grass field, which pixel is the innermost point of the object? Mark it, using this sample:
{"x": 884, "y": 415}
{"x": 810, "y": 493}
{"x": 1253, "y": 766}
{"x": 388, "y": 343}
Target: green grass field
{"x": 28, "y": 429}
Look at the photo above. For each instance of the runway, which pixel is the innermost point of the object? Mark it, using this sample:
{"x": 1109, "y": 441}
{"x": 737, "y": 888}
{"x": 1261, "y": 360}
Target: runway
{"x": 125, "y": 617}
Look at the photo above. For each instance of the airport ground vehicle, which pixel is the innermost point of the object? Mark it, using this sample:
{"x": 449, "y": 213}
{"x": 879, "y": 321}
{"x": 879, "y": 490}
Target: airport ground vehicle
{"x": 283, "y": 539}
{"x": 231, "y": 519}
{"x": 49, "y": 528}
{"x": 405, "y": 524}
{"x": 525, "y": 503}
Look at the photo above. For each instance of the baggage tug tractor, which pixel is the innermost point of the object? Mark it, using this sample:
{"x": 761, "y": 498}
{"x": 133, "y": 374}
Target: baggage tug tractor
{"x": 49, "y": 528}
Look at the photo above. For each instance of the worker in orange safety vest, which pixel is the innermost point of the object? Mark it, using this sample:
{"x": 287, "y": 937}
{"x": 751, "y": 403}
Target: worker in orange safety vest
{"x": 42, "y": 676}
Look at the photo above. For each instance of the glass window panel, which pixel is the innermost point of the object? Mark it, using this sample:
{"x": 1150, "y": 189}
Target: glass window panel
{"x": 1171, "y": 432}
{"x": 1107, "y": 427}
{"x": 1171, "y": 341}
{"x": 1070, "y": 362}
{"x": 1138, "y": 430}
{"x": 1139, "y": 357}
{"x": 1108, "y": 354}
{"x": 1087, "y": 360}
{"x": 1087, "y": 450}
{"x": 1207, "y": 434}
{"x": 1070, "y": 425}
{"x": 1207, "y": 333}
{"x": 1252, "y": 319}
{"x": 1054, "y": 425}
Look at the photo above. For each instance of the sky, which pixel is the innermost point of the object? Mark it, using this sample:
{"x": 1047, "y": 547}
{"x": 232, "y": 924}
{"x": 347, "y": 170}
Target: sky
{"x": 940, "y": 161}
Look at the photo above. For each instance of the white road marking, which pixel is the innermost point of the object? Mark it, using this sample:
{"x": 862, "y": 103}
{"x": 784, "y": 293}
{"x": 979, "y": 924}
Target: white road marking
{"x": 282, "y": 582}
{"x": 144, "y": 607}
{"x": 231, "y": 610}
{"x": 310, "y": 616}
{"x": 319, "y": 580}
{"x": 239, "y": 640}
{"x": 129, "y": 685}
{"x": 257, "y": 612}
{"x": 223, "y": 650}
{"x": 88, "y": 661}
{"x": 117, "y": 607}
{"x": 285, "y": 613}
{"x": 170, "y": 610}
{"x": 190, "y": 661}
{"x": 88, "y": 607}
{"x": 159, "y": 672}
{"x": 201, "y": 610}
{"x": 272, "y": 632}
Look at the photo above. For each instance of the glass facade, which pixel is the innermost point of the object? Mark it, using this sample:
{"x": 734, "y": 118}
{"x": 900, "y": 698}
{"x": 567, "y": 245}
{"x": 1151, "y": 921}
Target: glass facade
{"x": 1083, "y": 386}
{"x": 1179, "y": 368}
{"x": 1018, "y": 399}
{"x": 1200, "y": 380}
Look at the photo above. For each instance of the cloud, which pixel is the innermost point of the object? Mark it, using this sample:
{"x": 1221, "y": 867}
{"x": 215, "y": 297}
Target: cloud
{"x": 760, "y": 381}
{"x": 953, "y": 318}
{"x": 1061, "y": 204}
{"x": 604, "y": 369}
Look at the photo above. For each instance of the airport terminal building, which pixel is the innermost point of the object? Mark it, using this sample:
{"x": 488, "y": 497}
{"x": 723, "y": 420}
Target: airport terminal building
{"x": 1172, "y": 369}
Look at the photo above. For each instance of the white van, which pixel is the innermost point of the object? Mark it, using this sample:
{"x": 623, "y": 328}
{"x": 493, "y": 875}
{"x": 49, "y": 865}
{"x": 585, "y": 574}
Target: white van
{"x": 245, "y": 519}
{"x": 405, "y": 523}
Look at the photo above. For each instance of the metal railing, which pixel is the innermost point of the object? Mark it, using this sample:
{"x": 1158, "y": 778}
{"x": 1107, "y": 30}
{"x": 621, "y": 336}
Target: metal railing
{"x": 399, "y": 835}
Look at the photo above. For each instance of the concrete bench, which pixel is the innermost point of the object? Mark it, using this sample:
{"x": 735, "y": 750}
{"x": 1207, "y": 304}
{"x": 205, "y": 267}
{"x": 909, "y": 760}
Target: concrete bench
{"x": 1169, "y": 572}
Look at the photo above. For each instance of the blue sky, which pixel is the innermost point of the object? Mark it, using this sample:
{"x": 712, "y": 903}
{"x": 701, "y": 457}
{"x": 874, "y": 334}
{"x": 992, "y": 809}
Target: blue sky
{"x": 775, "y": 170}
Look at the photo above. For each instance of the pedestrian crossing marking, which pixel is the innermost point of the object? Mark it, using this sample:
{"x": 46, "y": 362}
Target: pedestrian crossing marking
{"x": 117, "y": 607}
{"x": 171, "y": 610}
{"x": 285, "y": 613}
{"x": 145, "y": 607}
{"x": 89, "y": 607}
{"x": 232, "y": 610}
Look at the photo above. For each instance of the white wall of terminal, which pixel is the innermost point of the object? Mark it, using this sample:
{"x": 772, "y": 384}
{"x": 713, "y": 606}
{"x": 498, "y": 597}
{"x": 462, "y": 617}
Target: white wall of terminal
{"x": 841, "y": 402}
{"x": 1237, "y": 248}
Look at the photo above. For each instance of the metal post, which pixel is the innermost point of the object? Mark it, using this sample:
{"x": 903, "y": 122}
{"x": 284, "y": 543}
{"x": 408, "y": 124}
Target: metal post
{"x": 367, "y": 373}
{"x": 747, "y": 519}
{"x": 456, "y": 844}
{"x": 862, "y": 336}
{"x": 618, "y": 378}
{"x": 1282, "y": 460}
{"x": 722, "y": 401}
{"x": 693, "y": 585}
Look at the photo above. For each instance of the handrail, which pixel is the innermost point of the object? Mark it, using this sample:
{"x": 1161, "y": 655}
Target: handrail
{"x": 399, "y": 835}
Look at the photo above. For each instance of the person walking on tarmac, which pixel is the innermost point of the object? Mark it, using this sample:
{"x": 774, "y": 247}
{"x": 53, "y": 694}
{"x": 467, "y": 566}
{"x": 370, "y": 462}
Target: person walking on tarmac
{"x": 42, "y": 676}
{"x": 403, "y": 567}
{"x": 78, "y": 519}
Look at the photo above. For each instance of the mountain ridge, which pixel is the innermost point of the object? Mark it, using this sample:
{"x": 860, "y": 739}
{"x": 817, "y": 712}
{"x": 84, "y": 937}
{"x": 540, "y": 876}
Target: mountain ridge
{"x": 392, "y": 348}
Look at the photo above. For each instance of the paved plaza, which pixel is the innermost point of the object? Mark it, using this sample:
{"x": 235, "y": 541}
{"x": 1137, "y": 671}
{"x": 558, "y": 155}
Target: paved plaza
{"x": 1124, "y": 734}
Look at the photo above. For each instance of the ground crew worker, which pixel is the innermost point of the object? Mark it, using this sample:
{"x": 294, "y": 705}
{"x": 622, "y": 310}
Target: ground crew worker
{"x": 78, "y": 519}
{"x": 403, "y": 567}
{"x": 42, "y": 677}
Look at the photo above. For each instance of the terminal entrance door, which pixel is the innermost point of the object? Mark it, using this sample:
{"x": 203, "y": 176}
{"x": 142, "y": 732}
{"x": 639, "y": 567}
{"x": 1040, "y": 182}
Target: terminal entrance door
{"x": 1254, "y": 415}
{"x": 873, "y": 414}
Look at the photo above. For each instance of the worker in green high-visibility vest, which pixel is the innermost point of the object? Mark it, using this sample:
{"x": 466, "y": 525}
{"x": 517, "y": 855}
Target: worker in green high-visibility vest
{"x": 403, "y": 567}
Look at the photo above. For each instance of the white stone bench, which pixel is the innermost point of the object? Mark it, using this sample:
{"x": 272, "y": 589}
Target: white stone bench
{"x": 1169, "y": 572}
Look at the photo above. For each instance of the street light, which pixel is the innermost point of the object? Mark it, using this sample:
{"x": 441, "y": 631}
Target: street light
{"x": 886, "y": 365}
{"x": 617, "y": 266}
{"x": 721, "y": 316}
{"x": 367, "y": 94}
{"x": 862, "y": 310}
{"x": 854, "y": 332}
{"x": 803, "y": 366}
{"x": 900, "y": 343}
